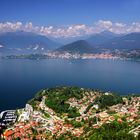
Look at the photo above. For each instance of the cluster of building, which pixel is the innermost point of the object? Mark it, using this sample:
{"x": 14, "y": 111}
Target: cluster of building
{"x": 35, "y": 124}
{"x": 21, "y": 130}
{"x": 67, "y": 55}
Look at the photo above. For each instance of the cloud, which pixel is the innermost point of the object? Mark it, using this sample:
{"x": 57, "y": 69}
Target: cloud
{"x": 28, "y": 26}
{"x": 1, "y": 46}
{"x": 119, "y": 24}
{"x": 71, "y": 30}
{"x": 8, "y": 26}
{"x": 106, "y": 24}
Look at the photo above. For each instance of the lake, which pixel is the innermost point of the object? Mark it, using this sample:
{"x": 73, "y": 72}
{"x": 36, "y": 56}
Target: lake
{"x": 21, "y": 79}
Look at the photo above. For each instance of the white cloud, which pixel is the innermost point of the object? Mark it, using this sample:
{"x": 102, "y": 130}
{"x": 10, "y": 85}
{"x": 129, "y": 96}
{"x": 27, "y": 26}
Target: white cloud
{"x": 71, "y": 30}
{"x": 104, "y": 24}
{"x": 8, "y": 26}
{"x": 118, "y": 24}
{"x": 1, "y": 46}
{"x": 28, "y": 26}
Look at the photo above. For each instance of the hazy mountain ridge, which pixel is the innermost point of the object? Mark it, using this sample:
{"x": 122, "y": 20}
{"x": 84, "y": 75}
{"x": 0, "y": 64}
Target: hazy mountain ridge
{"x": 104, "y": 40}
{"x": 100, "y": 38}
{"x": 25, "y": 41}
{"x": 80, "y": 46}
{"x": 128, "y": 41}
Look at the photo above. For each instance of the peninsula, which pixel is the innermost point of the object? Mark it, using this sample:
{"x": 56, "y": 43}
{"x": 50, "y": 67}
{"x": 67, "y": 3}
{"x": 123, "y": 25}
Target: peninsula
{"x": 74, "y": 113}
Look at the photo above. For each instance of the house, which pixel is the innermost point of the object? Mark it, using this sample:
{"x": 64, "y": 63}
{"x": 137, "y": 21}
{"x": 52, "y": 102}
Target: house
{"x": 8, "y": 133}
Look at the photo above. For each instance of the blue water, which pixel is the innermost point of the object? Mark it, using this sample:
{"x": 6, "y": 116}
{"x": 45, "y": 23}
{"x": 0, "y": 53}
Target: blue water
{"x": 21, "y": 79}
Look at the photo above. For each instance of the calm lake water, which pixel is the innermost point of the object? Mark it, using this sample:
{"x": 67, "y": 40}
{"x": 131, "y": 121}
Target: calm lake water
{"x": 21, "y": 79}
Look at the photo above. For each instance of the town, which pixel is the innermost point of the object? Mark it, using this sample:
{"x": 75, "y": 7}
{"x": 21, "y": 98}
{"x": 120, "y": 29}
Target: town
{"x": 41, "y": 119}
{"x": 102, "y": 54}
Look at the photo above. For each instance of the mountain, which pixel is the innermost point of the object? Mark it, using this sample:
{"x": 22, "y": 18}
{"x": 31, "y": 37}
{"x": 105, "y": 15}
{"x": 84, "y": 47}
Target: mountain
{"x": 79, "y": 46}
{"x": 100, "y": 38}
{"x": 73, "y": 113}
{"x": 68, "y": 40}
{"x": 129, "y": 41}
{"x": 27, "y": 41}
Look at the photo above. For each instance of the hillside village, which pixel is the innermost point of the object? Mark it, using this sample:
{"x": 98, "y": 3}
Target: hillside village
{"x": 75, "y": 113}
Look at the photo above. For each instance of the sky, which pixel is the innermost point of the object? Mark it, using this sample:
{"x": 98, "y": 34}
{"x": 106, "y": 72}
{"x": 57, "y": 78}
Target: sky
{"x": 65, "y": 17}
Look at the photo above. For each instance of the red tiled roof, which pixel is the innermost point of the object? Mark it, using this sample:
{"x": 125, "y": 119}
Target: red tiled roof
{"x": 8, "y": 133}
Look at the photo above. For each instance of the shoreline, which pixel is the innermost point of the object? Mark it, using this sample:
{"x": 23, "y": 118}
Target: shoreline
{"x": 98, "y": 58}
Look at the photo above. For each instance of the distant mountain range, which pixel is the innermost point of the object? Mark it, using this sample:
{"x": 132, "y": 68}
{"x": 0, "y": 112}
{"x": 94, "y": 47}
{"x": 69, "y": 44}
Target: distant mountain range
{"x": 25, "y": 42}
{"x": 103, "y": 40}
{"x": 129, "y": 41}
{"x": 100, "y": 38}
{"x": 80, "y": 46}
